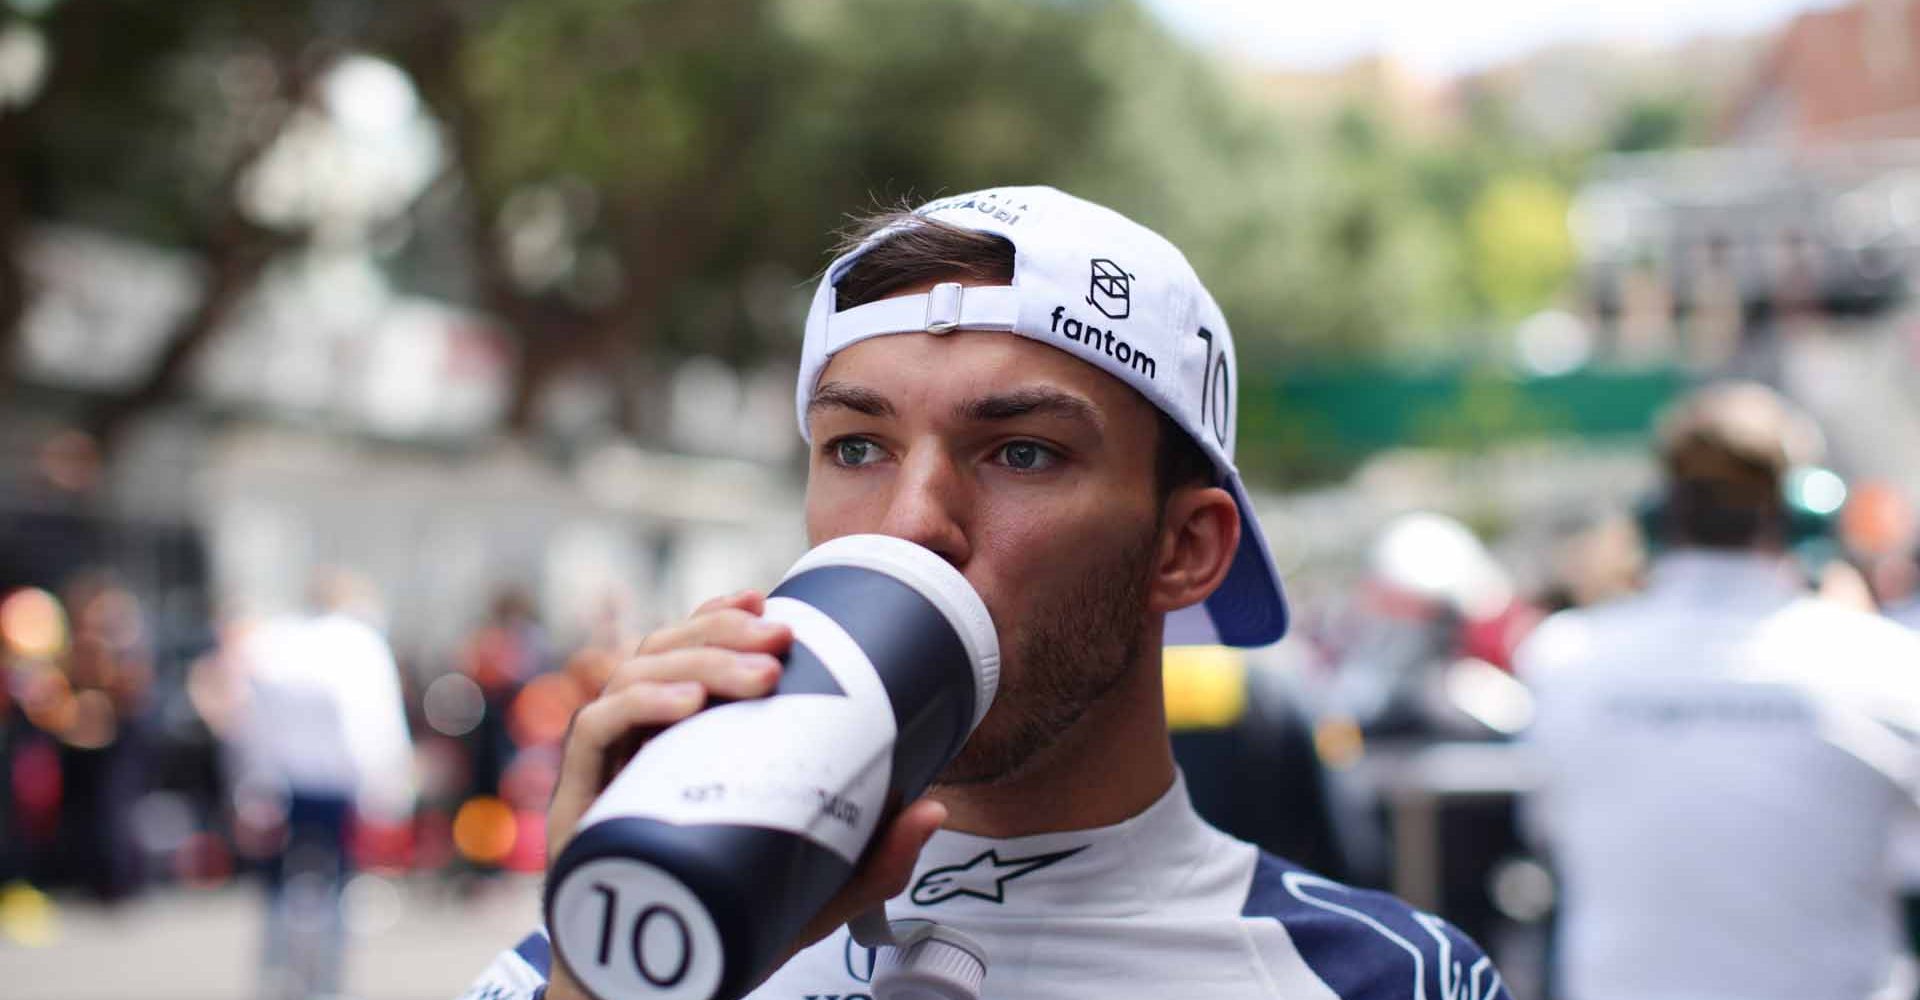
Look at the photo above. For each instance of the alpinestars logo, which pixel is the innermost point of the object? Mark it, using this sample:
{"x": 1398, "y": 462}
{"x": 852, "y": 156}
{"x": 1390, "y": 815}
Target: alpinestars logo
{"x": 1110, "y": 290}
{"x": 985, "y": 877}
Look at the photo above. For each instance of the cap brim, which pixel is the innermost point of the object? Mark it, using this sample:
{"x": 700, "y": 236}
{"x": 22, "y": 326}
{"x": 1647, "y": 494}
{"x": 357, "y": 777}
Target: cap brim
{"x": 1249, "y": 609}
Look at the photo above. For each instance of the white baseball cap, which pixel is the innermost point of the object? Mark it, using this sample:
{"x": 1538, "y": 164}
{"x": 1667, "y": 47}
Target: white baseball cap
{"x": 1117, "y": 295}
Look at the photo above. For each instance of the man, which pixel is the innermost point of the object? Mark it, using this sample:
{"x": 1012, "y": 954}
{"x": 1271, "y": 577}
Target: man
{"x": 323, "y": 746}
{"x": 1725, "y": 755}
{"x": 1041, "y": 392}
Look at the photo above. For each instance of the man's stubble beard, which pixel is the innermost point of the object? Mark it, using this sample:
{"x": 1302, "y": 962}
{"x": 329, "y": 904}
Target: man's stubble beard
{"x": 1078, "y": 646}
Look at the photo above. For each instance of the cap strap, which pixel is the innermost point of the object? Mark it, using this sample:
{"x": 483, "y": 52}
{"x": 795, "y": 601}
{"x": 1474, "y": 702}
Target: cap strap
{"x": 949, "y": 306}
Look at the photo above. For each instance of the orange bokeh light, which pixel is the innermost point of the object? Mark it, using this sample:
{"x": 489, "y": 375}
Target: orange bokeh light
{"x": 542, "y": 709}
{"x": 484, "y": 830}
{"x": 33, "y": 624}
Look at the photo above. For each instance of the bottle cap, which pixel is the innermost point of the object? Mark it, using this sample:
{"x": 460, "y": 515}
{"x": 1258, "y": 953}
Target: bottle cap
{"x": 943, "y": 964}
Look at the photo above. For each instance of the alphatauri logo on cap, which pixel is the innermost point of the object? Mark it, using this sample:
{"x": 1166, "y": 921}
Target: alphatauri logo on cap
{"x": 1110, "y": 290}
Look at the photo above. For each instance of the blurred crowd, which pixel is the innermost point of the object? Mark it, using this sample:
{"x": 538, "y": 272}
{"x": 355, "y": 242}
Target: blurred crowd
{"x": 295, "y": 749}
{"x": 298, "y": 749}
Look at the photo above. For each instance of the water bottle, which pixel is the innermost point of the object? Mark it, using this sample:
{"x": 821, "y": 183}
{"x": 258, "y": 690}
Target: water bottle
{"x": 729, "y": 831}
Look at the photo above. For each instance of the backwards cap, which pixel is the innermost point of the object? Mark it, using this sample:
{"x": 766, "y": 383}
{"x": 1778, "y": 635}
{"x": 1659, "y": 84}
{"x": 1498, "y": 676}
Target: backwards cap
{"x": 1091, "y": 282}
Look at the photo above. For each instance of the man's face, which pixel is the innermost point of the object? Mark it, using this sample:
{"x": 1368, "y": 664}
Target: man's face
{"x": 1033, "y": 473}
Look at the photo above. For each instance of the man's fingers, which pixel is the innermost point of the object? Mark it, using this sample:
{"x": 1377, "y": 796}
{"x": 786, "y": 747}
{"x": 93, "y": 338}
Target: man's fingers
{"x": 750, "y": 601}
{"x": 723, "y": 672}
{"x": 597, "y": 730}
{"x": 615, "y": 714}
{"x": 731, "y": 627}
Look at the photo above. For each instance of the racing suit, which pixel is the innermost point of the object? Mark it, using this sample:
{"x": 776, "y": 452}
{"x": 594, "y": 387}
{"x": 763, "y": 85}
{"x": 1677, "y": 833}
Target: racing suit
{"x": 1724, "y": 758}
{"x": 1158, "y": 905}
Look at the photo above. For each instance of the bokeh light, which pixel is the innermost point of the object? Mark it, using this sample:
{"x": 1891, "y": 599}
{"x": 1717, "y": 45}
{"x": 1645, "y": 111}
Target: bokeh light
{"x": 374, "y": 904}
{"x": 95, "y": 723}
{"x": 1877, "y": 520}
{"x": 162, "y": 822}
{"x": 484, "y": 830}
{"x": 1205, "y": 686}
{"x": 47, "y": 699}
{"x": 529, "y": 852}
{"x": 528, "y": 782}
{"x": 1819, "y": 491}
{"x": 28, "y": 917}
{"x": 33, "y": 624}
{"x": 453, "y": 705}
{"x": 1339, "y": 742}
{"x": 541, "y": 711}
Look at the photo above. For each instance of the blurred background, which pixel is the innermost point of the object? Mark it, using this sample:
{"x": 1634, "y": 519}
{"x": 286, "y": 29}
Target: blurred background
{"x": 474, "y": 324}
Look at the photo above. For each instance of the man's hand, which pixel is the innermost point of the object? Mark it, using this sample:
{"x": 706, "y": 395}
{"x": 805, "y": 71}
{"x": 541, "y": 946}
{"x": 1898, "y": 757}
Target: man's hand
{"x": 726, "y": 649}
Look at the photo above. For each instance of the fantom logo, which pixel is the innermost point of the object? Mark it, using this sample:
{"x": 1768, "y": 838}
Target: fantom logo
{"x": 1104, "y": 341}
{"x": 1110, "y": 289}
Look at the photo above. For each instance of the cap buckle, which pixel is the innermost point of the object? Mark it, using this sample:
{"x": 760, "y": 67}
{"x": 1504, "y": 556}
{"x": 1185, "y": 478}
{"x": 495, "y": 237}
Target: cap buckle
{"x": 943, "y": 307}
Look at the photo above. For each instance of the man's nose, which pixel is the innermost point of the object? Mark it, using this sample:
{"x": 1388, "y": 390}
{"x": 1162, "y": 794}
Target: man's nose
{"x": 929, "y": 505}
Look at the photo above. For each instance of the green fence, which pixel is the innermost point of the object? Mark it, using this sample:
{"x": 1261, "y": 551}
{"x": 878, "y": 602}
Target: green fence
{"x": 1307, "y": 425}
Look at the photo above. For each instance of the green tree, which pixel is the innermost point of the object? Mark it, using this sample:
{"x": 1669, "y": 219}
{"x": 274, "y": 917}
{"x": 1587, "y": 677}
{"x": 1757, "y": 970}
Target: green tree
{"x": 1522, "y": 252}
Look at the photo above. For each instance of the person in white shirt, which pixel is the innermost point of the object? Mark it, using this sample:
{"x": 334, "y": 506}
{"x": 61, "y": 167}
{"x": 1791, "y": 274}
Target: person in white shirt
{"x": 323, "y": 744}
{"x": 1725, "y": 755}
{"x": 1042, "y": 392}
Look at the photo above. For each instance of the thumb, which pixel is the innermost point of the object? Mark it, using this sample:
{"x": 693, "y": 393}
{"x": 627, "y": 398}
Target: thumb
{"x": 885, "y": 871}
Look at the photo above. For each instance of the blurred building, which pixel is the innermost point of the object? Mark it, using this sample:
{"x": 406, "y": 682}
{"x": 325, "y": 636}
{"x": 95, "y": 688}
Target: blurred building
{"x": 1846, "y": 75}
{"x": 335, "y": 419}
{"x": 1787, "y": 253}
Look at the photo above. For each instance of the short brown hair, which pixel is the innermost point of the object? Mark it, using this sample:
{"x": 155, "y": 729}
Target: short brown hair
{"x": 1726, "y": 450}
{"x": 910, "y": 249}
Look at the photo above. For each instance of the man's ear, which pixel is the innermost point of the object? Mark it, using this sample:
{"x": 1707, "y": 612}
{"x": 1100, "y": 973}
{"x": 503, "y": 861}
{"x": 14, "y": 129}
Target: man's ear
{"x": 1198, "y": 536}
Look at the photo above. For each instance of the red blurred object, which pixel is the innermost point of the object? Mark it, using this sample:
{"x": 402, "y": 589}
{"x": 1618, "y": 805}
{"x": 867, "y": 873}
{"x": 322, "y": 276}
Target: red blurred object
{"x": 382, "y": 847}
{"x": 1877, "y": 520}
{"x": 529, "y": 781}
{"x": 543, "y": 709}
{"x": 203, "y": 861}
{"x": 529, "y": 852}
{"x": 1494, "y": 639}
{"x": 495, "y": 658}
{"x": 37, "y": 790}
{"x": 432, "y": 839}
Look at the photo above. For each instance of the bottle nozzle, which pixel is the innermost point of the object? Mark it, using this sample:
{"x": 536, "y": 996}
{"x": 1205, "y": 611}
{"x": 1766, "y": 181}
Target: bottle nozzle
{"x": 919, "y": 959}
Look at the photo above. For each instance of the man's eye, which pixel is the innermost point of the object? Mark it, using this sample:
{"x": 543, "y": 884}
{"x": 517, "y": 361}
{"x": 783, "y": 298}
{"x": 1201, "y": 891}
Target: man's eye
{"x": 855, "y": 451}
{"x": 1027, "y": 456}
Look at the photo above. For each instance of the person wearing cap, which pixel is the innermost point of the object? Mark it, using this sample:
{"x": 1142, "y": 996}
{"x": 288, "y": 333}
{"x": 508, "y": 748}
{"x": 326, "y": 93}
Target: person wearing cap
{"x": 1724, "y": 756}
{"x": 1042, "y": 392}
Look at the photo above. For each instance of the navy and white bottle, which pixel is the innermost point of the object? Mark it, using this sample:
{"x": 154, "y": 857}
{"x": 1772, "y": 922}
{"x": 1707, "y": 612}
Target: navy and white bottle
{"x": 726, "y": 833}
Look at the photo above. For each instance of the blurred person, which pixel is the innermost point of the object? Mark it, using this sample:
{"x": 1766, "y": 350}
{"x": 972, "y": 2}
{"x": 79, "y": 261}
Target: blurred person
{"x": 323, "y": 745}
{"x": 1041, "y": 392}
{"x": 1424, "y": 664}
{"x": 1601, "y": 558}
{"x": 502, "y": 654}
{"x": 104, "y": 730}
{"x": 1432, "y": 597}
{"x": 1725, "y": 755}
{"x": 610, "y": 637}
{"x": 1243, "y": 737}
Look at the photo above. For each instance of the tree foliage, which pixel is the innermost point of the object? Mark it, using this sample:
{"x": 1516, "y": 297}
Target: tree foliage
{"x": 632, "y": 181}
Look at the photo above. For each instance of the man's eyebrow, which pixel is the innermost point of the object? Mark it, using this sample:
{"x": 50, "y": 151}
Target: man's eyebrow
{"x": 852, "y": 397}
{"x": 1024, "y": 402}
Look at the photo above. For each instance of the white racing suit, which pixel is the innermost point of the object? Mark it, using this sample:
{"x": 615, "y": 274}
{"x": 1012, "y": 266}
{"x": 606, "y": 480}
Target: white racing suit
{"x": 1161, "y": 905}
